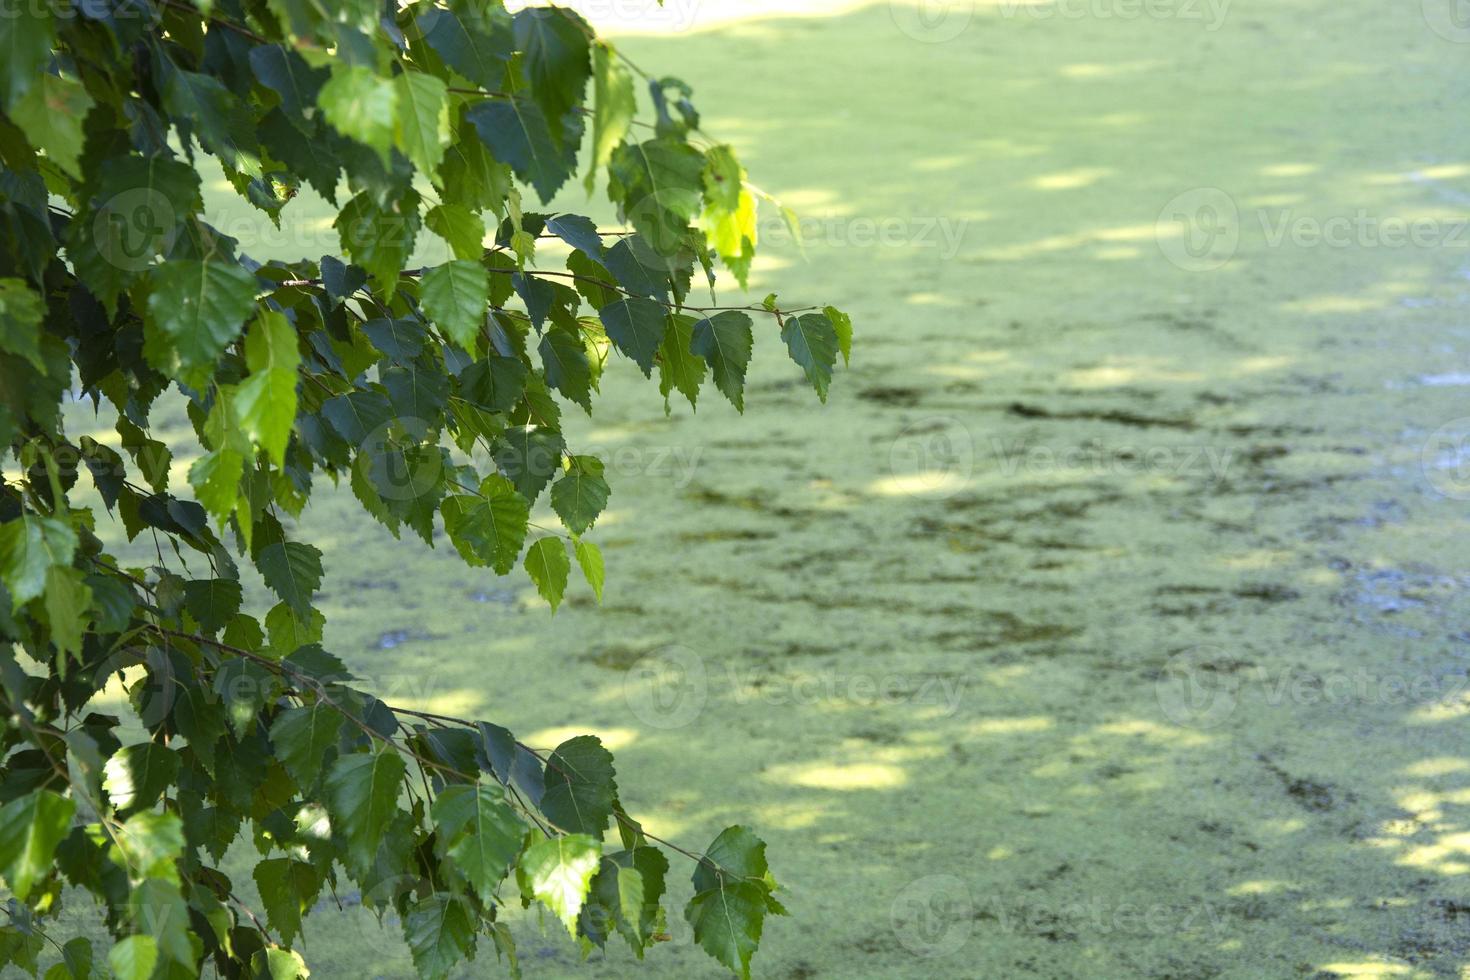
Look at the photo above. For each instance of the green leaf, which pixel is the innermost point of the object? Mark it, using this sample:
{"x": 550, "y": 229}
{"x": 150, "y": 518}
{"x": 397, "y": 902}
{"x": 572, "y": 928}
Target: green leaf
{"x": 286, "y": 73}
{"x": 659, "y": 184}
{"x": 630, "y": 895}
{"x": 68, "y": 607}
{"x": 678, "y": 366}
{"x": 358, "y": 414}
{"x": 475, "y": 40}
{"x": 636, "y": 325}
{"x": 553, "y": 45}
{"x": 455, "y": 296}
{"x": 725, "y": 341}
{"x": 362, "y": 797}
{"x": 494, "y": 384}
{"x": 51, "y": 116}
{"x": 275, "y": 963}
{"x": 580, "y": 495}
{"x": 215, "y": 477}
{"x": 133, "y": 958}
{"x": 361, "y": 105}
{"x": 482, "y": 834}
{"x": 380, "y": 237}
{"x": 266, "y": 401}
{"x": 461, "y": 228}
{"x": 727, "y": 922}
{"x": 732, "y": 894}
{"x": 529, "y": 456}
{"x": 76, "y": 961}
{"x": 137, "y": 775}
{"x": 516, "y": 132}
{"x": 151, "y": 843}
{"x": 29, "y": 547}
{"x": 636, "y": 901}
{"x": 547, "y": 564}
{"x": 30, "y": 828}
{"x": 564, "y": 358}
{"x": 302, "y": 738}
{"x": 244, "y": 688}
{"x": 293, "y": 571}
{"x": 577, "y": 231}
{"x": 558, "y": 872}
{"x": 441, "y": 935}
{"x": 488, "y": 529}
{"x": 580, "y": 786}
{"x": 287, "y": 890}
{"x": 212, "y": 602}
{"x": 203, "y": 106}
{"x": 158, "y": 909}
{"x": 614, "y": 108}
{"x": 195, "y": 310}
{"x": 21, "y": 312}
{"x": 589, "y": 558}
{"x": 27, "y": 35}
{"x": 421, "y": 128}
{"x": 812, "y": 342}
{"x": 139, "y": 205}
{"x": 842, "y": 326}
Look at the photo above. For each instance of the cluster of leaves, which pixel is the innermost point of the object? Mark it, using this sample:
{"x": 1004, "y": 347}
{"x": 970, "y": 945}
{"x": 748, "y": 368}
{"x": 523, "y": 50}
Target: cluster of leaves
{"x": 416, "y": 120}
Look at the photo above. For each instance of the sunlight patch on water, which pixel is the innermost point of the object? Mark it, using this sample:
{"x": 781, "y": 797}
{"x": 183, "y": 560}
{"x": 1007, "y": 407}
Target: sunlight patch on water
{"x": 843, "y": 778}
{"x": 615, "y": 739}
{"x": 1439, "y": 766}
{"x": 1012, "y": 726}
{"x": 1366, "y": 969}
{"x": 919, "y": 485}
{"x": 1260, "y": 886}
{"x": 1067, "y": 180}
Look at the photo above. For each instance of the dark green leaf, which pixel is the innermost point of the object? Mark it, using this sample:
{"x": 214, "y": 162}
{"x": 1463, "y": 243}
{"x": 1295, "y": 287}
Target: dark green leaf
{"x": 812, "y": 342}
{"x": 362, "y": 797}
{"x": 724, "y": 341}
{"x": 195, "y": 309}
{"x": 636, "y": 326}
{"x": 580, "y": 785}
{"x": 293, "y": 571}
